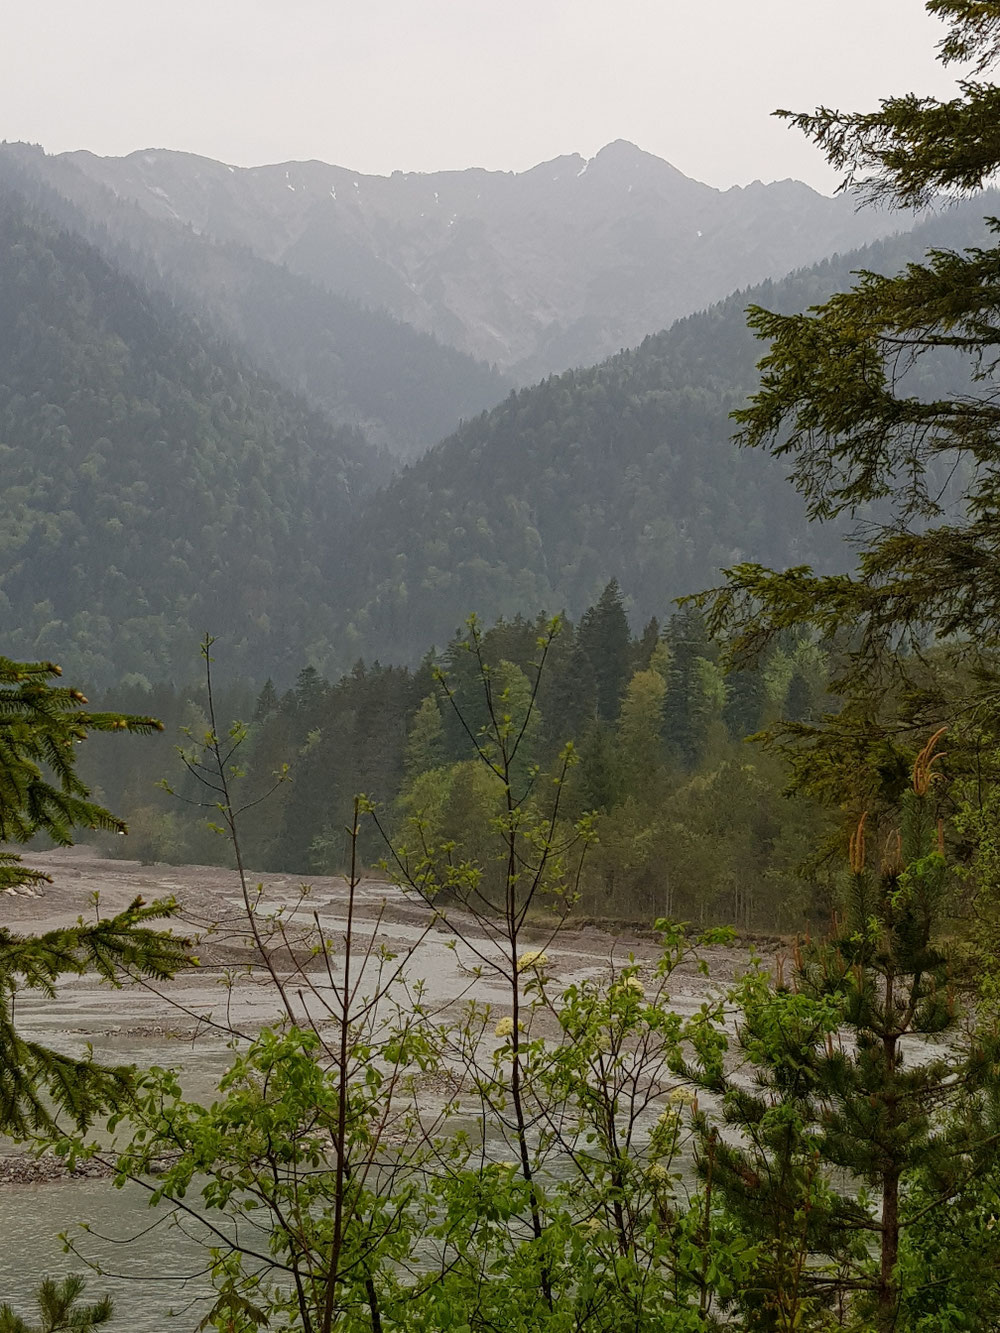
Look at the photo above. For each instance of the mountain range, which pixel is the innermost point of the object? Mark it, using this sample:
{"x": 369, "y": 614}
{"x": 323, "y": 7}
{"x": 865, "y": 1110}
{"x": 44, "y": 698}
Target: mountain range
{"x": 363, "y": 367}
{"x": 532, "y": 272}
{"x": 173, "y": 464}
{"x": 155, "y": 484}
{"x": 623, "y": 469}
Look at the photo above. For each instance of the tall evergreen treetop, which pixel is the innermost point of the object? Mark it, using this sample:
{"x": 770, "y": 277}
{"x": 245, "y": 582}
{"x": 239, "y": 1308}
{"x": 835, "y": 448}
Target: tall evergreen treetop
{"x": 913, "y": 146}
{"x": 861, "y": 1073}
{"x": 886, "y": 394}
{"x": 605, "y": 638}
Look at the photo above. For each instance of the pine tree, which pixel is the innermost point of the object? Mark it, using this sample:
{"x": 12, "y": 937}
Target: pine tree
{"x": 646, "y": 645}
{"x": 267, "y": 701}
{"x": 41, "y": 726}
{"x": 745, "y": 700}
{"x": 861, "y": 1073}
{"x": 59, "y": 1309}
{"x": 689, "y": 707}
{"x": 571, "y": 698}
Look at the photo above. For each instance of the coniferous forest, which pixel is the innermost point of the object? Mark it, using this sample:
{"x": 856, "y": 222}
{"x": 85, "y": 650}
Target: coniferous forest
{"x": 545, "y": 879}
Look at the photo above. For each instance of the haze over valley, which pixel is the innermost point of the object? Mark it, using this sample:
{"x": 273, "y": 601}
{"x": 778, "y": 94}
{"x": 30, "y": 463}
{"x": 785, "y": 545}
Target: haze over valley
{"x": 296, "y": 298}
{"x": 533, "y": 272}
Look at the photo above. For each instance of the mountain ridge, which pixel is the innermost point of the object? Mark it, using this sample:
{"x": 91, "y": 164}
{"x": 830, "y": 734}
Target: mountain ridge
{"x": 404, "y": 389}
{"x": 625, "y": 469}
{"x": 156, "y": 485}
{"x": 533, "y": 271}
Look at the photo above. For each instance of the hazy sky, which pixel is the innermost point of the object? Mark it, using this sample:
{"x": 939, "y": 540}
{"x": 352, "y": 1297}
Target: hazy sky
{"x": 423, "y": 85}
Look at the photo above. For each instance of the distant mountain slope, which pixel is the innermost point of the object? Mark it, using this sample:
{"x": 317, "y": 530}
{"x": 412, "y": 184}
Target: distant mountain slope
{"x": 363, "y": 367}
{"x": 153, "y": 485}
{"x": 625, "y": 469}
{"x": 553, "y": 267}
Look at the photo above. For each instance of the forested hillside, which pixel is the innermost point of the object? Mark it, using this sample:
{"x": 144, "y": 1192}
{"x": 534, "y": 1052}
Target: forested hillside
{"x": 691, "y": 821}
{"x": 624, "y": 469}
{"x": 157, "y": 485}
{"x": 153, "y": 484}
{"x": 405, "y": 389}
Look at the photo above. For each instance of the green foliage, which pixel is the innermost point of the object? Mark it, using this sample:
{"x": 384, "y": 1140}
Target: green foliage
{"x": 152, "y": 480}
{"x": 606, "y": 642}
{"x": 425, "y": 742}
{"x": 59, "y": 1310}
{"x": 880, "y": 400}
{"x": 702, "y": 831}
{"x": 625, "y": 468}
{"x": 41, "y": 725}
{"x": 862, "y": 1074}
{"x": 522, "y": 1158}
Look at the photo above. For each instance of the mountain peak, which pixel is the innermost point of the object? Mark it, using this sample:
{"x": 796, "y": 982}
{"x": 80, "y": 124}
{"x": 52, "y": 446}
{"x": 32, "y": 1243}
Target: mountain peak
{"x": 622, "y": 152}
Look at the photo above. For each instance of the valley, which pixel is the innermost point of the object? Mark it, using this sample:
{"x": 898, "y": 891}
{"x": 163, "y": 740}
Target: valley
{"x": 499, "y": 669}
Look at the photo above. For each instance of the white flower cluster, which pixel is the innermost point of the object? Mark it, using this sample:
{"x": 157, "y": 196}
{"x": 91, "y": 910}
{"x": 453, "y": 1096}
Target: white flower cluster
{"x": 681, "y": 1097}
{"x": 534, "y": 958}
{"x": 632, "y": 986}
{"x": 504, "y": 1028}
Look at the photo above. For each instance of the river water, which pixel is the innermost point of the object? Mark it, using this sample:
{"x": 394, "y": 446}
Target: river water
{"x": 152, "y": 1274}
{"x": 154, "y": 1269}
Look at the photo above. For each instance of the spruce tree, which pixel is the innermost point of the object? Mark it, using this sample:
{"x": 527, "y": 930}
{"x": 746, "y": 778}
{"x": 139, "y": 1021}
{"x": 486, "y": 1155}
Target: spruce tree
{"x": 885, "y": 394}
{"x": 41, "y": 793}
{"x": 267, "y": 703}
{"x": 646, "y": 645}
{"x": 571, "y": 698}
{"x": 688, "y": 708}
{"x": 605, "y": 638}
{"x": 745, "y": 700}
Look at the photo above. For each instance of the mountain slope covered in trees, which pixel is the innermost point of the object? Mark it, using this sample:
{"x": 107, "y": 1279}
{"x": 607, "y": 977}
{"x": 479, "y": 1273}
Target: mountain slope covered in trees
{"x": 157, "y": 485}
{"x": 626, "y": 469}
{"x": 534, "y": 271}
{"x": 153, "y": 484}
{"x": 405, "y": 389}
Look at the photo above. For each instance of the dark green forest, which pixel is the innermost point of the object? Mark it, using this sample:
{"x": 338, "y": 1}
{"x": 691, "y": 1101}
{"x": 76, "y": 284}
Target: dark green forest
{"x": 691, "y": 820}
{"x": 152, "y": 480}
{"x": 139, "y": 442}
{"x": 626, "y": 468}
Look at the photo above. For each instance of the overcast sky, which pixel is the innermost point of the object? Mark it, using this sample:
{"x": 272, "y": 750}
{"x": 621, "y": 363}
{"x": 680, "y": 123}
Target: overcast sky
{"x": 423, "y": 85}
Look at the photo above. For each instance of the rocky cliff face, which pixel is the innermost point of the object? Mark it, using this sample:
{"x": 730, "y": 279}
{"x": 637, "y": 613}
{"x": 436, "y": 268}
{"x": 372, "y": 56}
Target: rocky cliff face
{"x": 535, "y": 271}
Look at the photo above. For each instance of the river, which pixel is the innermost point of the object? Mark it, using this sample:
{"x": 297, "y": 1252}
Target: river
{"x": 151, "y": 1267}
